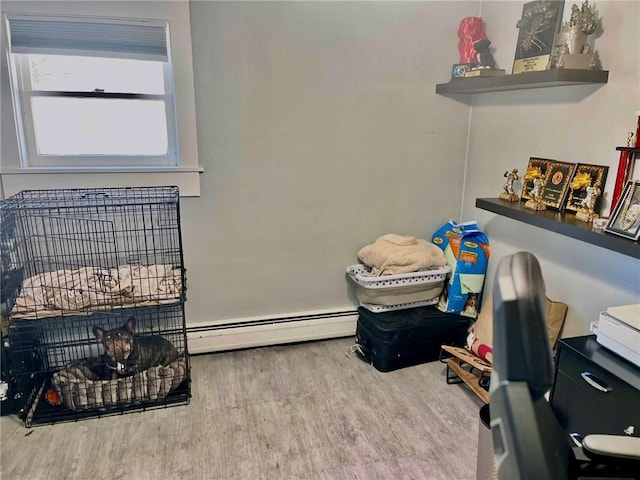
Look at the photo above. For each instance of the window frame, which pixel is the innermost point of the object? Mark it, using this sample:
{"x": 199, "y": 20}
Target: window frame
{"x": 22, "y": 93}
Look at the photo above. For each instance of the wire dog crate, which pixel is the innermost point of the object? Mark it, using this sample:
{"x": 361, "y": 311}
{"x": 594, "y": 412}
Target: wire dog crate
{"x": 94, "y": 283}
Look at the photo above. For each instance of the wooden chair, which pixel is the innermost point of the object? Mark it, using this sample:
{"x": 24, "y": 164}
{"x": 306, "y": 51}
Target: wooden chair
{"x": 465, "y": 365}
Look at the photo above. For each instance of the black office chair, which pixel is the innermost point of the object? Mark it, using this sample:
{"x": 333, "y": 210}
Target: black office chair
{"x": 528, "y": 441}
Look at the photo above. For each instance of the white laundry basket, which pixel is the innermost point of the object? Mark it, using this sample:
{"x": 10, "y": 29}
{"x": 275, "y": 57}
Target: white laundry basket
{"x": 394, "y": 292}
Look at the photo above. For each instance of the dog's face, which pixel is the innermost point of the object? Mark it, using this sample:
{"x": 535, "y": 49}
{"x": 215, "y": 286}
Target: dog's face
{"x": 471, "y": 304}
{"x": 118, "y": 343}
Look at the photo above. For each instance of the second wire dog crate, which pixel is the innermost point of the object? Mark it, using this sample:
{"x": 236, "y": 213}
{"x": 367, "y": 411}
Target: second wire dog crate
{"x": 89, "y": 260}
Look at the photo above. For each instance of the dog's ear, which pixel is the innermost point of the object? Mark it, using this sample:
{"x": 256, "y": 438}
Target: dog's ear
{"x": 99, "y": 333}
{"x": 131, "y": 324}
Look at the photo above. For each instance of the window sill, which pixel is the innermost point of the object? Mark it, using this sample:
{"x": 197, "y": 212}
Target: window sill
{"x": 15, "y": 180}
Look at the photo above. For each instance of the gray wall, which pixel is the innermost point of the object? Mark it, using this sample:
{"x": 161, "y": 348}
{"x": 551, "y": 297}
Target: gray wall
{"x": 319, "y": 130}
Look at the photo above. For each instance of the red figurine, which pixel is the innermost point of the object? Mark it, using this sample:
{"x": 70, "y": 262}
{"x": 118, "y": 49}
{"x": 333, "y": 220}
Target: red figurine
{"x": 470, "y": 31}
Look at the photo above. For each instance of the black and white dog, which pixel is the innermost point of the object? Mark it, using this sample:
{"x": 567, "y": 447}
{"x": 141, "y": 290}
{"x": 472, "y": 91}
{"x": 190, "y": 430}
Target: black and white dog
{"x": 126, "y": 353}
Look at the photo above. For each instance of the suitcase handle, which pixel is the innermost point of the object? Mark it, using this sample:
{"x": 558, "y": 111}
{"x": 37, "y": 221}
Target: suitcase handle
{"x": 351, "y": 350}
{"x": 361, "y": 351}
{"x": 357, "y": 349}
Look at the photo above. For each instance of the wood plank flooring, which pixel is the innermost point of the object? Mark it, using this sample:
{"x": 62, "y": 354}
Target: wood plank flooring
{"x": 302, "y": 411}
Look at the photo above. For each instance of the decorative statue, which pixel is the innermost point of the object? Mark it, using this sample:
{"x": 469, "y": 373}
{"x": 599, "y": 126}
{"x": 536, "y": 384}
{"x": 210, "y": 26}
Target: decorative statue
{"x": 590, "y": 197}
{"x": 631, "y": 139}
{"x": 484, "y": 57}
{"x": 586, "y": 205}
{"x": 470, "y": 32}
{"x": 536, "y": 190}
{"x": 509, "y": 194}
{"x": 571, "y": 49}
{"x": 534, "y": 175}
{"x": 583, "y": 19}
{"x": 473, "y": 46}
{"x": 581, "y": 24}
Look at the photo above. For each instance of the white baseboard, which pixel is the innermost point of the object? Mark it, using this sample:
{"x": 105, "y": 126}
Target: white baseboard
{"x": 263, "y": 331}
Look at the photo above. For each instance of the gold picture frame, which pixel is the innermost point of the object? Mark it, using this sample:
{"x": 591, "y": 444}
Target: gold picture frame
{"x": 556, "y": 184}
{"x": 625, "y": 220}
{"x": 597, "y": 174}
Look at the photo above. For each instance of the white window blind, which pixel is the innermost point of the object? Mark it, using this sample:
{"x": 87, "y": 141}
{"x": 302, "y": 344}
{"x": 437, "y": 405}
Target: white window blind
{"x": 140, "y": 39}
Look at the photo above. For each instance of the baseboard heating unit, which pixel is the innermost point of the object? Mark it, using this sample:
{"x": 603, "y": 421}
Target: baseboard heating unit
{"x": 262, "y": 331}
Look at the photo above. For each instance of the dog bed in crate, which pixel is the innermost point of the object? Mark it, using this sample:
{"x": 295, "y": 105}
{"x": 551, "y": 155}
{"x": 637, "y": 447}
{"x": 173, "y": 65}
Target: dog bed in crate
{"x": 79, "y": 388}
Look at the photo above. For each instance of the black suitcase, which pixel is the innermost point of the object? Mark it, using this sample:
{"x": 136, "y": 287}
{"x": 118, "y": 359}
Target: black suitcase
{"x": 402, "y": 338}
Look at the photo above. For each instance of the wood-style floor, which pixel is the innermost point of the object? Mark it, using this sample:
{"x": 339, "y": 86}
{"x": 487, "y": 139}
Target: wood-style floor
{"x": 302, "y": 411}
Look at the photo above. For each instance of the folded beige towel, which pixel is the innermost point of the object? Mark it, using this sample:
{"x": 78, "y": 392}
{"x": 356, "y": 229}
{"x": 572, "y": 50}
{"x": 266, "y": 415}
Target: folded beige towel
{"x": 393, "y": 254}
{"x": 400, "y": 240}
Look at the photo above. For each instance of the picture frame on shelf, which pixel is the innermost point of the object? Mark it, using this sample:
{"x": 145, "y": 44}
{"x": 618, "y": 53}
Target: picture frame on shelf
{"x": 625, "y": 220}
{"x": 538, "y": 26}
{"x": 556, "y": 185}
{"x": 589, "y": 175}
{"x": 538, "y": 165}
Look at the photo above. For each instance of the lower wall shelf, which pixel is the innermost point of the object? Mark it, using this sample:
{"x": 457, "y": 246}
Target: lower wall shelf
{"x": 561, "y": 223}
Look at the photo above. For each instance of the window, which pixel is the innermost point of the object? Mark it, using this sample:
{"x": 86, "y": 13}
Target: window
{"x": 92, "y": 92}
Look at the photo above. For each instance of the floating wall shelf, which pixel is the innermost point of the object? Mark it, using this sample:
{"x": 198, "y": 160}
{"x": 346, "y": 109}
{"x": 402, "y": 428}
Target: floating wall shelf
{"x": 563, "y": 223}
{"x": 556, "y": 77}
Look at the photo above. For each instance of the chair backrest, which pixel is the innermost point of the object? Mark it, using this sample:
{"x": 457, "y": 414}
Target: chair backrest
{"x": 527, "y": 438}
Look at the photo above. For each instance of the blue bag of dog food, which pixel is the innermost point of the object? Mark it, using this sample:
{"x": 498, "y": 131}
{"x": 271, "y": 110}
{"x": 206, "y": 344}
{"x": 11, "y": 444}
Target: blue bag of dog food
{"x": 466, "y": 250}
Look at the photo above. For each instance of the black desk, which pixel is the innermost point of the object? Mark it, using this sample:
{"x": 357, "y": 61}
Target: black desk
{"x": 595, "y": 390}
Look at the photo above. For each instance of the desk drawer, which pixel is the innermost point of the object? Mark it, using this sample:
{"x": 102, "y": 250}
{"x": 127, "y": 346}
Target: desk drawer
{"x": 587, "y": 411}
{"x": 589, "y": 399}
